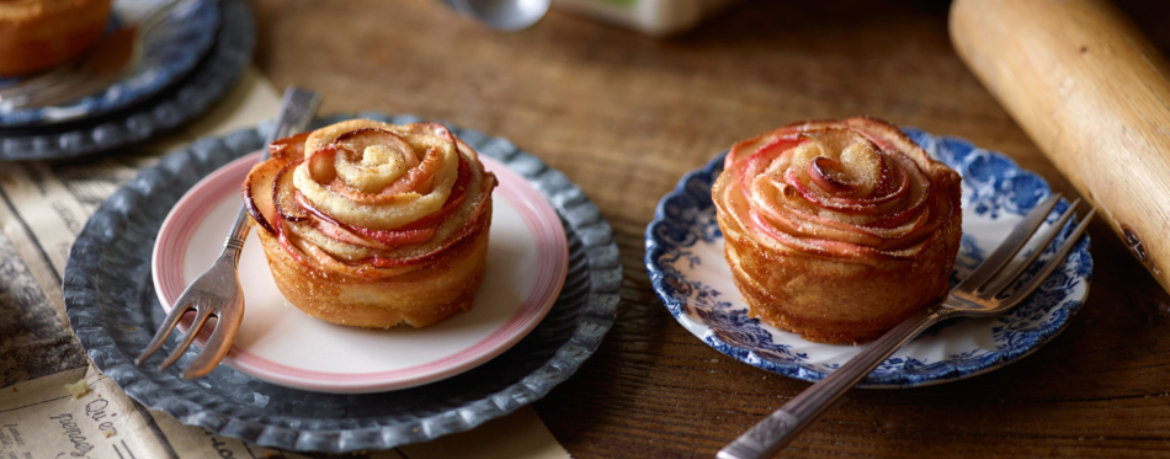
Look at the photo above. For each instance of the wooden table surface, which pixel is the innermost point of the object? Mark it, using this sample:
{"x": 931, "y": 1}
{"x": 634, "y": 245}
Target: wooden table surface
{"x": 624, "y": 116}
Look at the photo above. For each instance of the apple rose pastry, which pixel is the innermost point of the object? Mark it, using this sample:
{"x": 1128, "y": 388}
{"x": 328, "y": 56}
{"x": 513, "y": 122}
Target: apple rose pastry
{"x": 37, "y": 35}
{"x": 374, "y": 225}
{"x": 838, "y": 230}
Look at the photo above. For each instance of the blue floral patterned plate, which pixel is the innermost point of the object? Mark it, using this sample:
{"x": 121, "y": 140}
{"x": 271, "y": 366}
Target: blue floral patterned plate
{"x": 169, "y": 51}
{"x": 684, "y": 254}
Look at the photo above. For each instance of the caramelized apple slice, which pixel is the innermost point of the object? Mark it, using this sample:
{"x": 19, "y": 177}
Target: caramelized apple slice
{"x": 357, "y": 141}
{"x": 339, "y": 233}
{"x": 397, "y": 238}
{"x": 458, "y": 195}
{"x": 477, "y": 224}
{"x": 286, "y": 242}
{"x": 259, "y": 204}
{"x": 828, "y": 174}
{"x": 320, "y": 164}
{"x": 418, "y": 174}
{"x": 290, "y": 149}
{"x": 284, "y": 196}
{"x": 391, "y": 238}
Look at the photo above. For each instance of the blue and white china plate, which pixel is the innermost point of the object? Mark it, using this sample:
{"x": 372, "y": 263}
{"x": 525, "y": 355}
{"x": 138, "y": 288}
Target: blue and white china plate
{"x": 169, "y": 51}
{"x": 684, "y": 254}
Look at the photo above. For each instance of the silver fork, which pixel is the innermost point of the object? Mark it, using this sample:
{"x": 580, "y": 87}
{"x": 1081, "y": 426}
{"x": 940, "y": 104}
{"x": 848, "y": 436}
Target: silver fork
{"x": 982, "y": 294}
{"x": 217, "y": 292}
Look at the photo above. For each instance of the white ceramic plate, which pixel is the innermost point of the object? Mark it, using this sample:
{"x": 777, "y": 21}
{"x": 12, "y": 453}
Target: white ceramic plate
{"x": 526, "y": 267}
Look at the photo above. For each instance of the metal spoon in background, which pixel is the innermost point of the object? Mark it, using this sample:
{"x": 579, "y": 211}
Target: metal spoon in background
{"x": 504, "y": 15}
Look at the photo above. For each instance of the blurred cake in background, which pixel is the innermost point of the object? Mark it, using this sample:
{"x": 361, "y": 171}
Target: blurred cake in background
{"x": 40, "y": 34}
{"x": 651, "y": 17}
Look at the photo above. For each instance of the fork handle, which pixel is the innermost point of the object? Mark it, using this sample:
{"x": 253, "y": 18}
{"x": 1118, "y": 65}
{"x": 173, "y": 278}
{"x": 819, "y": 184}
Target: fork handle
{"x": 297, "y": 108}
{"x": 768, "y": 436}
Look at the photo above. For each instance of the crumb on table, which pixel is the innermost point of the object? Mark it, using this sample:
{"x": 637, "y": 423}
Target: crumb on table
{"x": 78, "y": 389}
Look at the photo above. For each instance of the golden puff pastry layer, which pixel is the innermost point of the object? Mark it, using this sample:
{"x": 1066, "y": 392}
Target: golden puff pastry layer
{"x": 838, "y": 230}
{"x": 374, "y": 225}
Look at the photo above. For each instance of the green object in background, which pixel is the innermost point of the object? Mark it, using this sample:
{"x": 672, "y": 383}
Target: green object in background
{"x": 623, "y": 3}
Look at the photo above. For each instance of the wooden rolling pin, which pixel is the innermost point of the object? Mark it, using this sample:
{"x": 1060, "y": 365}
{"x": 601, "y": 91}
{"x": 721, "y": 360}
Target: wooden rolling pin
{"x": 1093, "y": 93}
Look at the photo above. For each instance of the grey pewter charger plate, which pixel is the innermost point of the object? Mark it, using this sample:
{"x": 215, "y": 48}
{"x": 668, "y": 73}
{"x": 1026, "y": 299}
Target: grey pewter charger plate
{"x": 183, "y": 101}
{"x": 112, "y": 307}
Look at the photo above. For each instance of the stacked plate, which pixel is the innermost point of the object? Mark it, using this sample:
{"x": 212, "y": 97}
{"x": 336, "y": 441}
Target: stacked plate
{"x": 549, "y": 296}
{"x": 187, "y": 62}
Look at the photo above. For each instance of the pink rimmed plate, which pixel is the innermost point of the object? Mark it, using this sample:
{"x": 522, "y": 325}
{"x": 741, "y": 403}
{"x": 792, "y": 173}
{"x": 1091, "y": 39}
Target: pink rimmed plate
{"x": 526, "y": 268}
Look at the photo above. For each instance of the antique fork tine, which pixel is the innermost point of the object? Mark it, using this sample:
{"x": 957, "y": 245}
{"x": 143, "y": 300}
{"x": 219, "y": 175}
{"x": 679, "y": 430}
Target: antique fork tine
{"x": 65, "y": 90}
{"x": 164, "y": 330}
{"x": 1034, "y": 282}
{"x": 217, "y": 291}
{"x": 982, "y": 294}
{"x": 52, "y": 78}
{"x": 993, "y": 285}
{"x": 202, "y": 313}
{"x": 1007, "y": 249}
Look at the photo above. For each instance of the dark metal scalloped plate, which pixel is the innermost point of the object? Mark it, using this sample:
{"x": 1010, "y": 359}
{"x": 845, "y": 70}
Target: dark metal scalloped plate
{"x": 190, "y": 97}
{"x": 111, "y": 304}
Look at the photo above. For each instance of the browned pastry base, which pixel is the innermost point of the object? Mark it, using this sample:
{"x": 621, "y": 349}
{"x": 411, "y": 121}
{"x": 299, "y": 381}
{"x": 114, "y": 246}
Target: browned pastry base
{"x": 830, "y": 301}
{"x": 444, "y": 286}
{"x": 39, "y": 34}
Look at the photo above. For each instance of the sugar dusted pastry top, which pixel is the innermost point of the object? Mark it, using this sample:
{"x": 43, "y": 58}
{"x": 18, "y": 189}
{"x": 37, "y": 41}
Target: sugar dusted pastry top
{"x": 855, "y": 190}
{"x": 371, "y": 199}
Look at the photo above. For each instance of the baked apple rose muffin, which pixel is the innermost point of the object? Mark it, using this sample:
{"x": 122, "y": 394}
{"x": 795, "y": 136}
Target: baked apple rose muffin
{"x": 37, "y": 35}
{"x": 838, "y": 230}
{"x": 372, "y": 224}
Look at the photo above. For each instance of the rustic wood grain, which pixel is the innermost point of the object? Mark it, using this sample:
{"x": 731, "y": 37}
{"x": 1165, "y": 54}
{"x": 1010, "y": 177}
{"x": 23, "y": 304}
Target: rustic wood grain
{"x": 625, "y": 116}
